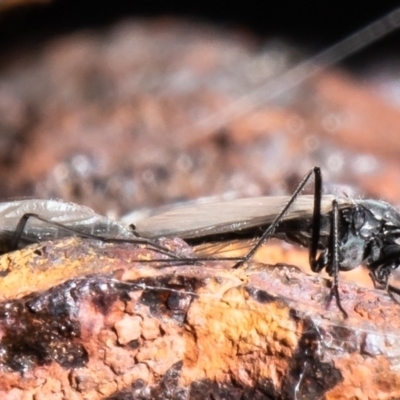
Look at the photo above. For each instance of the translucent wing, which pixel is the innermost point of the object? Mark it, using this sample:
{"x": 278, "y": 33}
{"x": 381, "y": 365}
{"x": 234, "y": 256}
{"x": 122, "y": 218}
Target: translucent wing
{"x": 228, "y": 248}
{"x": 227, "y": 216}
{"x": 80, "y": 218}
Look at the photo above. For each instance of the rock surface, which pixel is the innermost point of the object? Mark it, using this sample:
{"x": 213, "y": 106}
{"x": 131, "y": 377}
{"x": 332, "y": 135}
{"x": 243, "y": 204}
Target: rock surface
{"x": 126, "y": 328}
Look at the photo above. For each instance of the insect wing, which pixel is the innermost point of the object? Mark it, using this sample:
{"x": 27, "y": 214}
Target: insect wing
{"x": 227, "y": 216}
{"x": 80, "y": 218}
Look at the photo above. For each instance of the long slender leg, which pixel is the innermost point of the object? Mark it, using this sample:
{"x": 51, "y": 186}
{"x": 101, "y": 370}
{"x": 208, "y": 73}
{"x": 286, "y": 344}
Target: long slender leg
{"x": 333, "y": 245}
{"x": 24, "y": 220}
{"x": 316, "y": 221}
{"x": 271, "y": 229}
{"x": 334, "y": 267}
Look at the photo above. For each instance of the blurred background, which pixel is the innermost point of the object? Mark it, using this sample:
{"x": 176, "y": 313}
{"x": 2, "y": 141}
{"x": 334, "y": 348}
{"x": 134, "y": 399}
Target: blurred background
{"x": 125, "y": 105}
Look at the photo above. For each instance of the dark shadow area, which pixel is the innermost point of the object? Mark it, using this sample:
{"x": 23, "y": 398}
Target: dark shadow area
{"x": 317, "y": 23}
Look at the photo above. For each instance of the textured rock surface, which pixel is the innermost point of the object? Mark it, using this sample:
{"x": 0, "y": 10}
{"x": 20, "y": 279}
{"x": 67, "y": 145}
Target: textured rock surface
{"x": 132, "y": 330}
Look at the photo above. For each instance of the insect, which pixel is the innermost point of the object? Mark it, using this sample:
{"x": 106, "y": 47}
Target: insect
{"x": 52, "y": 219}
{"x": 347, "y": 232}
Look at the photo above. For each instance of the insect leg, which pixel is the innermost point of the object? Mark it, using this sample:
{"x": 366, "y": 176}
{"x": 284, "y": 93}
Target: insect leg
{"x": 379, "y": 277}
{"x": 24, "y": 220}
{"x": 316, "y": 222}
{"x": 334, "y": 267}
{"x": 381, "y": 269}
{"x": 318, "y": 265}
{"x": 271, "y": 229}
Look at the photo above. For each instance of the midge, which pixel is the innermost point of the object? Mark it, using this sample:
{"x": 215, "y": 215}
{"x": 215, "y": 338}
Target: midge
{"x": 347, "y": 232}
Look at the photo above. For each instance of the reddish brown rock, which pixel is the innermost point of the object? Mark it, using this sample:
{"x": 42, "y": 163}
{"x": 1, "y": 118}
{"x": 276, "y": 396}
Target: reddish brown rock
{"x": 192, "y": 331}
